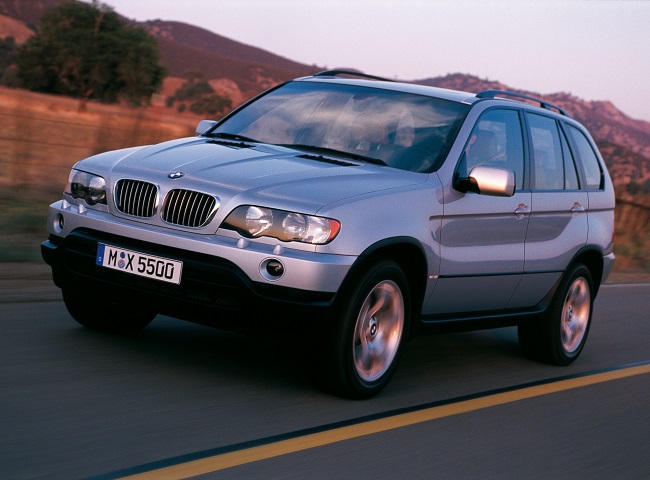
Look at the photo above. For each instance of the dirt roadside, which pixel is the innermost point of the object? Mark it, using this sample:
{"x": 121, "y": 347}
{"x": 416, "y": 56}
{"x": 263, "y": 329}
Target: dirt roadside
{"x": 32, "y": 282}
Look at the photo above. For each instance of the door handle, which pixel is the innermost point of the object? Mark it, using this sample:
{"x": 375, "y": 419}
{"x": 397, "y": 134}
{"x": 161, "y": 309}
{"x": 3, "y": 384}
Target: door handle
{"x": 522, "y": 210}
{"x": 577, "y": 207}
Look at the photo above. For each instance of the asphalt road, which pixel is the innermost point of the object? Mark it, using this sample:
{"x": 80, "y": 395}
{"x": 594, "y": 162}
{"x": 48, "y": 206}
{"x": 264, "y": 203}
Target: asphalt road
{"x": 78, "y": 404}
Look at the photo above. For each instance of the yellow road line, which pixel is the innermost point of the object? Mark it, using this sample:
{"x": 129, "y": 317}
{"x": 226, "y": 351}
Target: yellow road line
{"x": 263, "y": 452}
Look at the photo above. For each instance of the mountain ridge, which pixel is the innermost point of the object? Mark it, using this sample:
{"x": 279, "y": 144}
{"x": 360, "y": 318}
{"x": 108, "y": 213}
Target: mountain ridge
{"x": 204, "y": 39}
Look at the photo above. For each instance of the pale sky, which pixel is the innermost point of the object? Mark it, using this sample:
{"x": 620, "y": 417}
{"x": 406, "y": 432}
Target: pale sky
{"x": 594, "y": 49}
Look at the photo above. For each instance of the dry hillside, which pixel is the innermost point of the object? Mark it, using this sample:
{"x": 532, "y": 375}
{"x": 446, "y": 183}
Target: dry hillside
{"x": 10, "y": 27}
{"x": 42, "y": 137}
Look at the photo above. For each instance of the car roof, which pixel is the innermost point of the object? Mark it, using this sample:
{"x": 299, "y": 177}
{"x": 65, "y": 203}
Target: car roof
{"x": 361, "y": 79}
{"x": 443, "y": 93}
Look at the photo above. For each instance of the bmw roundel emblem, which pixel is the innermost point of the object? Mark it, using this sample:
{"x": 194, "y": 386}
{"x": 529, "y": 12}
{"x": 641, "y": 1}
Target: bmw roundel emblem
{"x": 175, "y": 175}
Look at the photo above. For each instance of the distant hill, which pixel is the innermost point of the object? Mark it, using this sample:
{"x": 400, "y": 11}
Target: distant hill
{"x": 241, "y": 71}
{"x": 199, "y": 38}
{"x": 185, "y": 48}
{"x": 27, "y": 11}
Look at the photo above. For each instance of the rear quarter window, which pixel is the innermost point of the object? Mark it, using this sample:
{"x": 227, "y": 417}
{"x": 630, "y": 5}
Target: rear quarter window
{"x": 547, "y": 165}
{"x": 588, "y": 159}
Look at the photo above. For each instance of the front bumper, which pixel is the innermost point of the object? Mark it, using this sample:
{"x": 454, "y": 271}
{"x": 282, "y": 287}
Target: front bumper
{"x": 222, "y": 284}
{"x": 212, "y": 291}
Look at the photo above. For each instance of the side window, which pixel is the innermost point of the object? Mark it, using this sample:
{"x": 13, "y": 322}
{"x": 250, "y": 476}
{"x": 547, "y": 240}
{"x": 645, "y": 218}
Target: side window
{"x": 547, "y": 166}
{"x": 570, "y": 174}
{"x": 588, "y": 159}
{"x": 496, "y": 141}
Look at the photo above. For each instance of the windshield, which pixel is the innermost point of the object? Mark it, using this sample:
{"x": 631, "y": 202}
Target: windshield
{"x": 401, "y": 130}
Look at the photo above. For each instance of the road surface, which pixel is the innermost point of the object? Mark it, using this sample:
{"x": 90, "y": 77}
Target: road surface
{"x": 180, "y": 399}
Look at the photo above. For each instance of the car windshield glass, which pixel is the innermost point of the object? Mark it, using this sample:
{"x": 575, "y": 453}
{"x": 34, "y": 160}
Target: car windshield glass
{"x": 403, "y": 130}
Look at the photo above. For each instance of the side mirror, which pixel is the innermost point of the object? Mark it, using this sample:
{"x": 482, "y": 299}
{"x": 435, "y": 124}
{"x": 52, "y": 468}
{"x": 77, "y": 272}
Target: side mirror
{"x": 488, "y": 181}
{"x": 204, "y": 126}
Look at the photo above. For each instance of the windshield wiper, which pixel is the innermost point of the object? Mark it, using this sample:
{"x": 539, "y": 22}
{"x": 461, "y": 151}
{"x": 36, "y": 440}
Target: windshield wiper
{"x": 333, "y": 151}
{"x": 232, "y": 136}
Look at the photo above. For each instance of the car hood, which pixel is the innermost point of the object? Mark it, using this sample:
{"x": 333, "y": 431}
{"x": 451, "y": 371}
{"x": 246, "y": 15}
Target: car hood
{"x": 260, "y": 174}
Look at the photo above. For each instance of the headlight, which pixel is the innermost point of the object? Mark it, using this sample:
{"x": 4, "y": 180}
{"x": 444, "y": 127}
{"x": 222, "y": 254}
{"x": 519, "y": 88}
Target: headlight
{"x": 91, "y": 188}
{"x": 258, "y": 220}
{"x": 251, "y": 221}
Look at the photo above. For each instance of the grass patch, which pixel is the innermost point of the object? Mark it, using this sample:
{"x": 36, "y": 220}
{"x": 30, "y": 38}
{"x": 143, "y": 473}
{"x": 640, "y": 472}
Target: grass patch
{"x": 23, "y": 218}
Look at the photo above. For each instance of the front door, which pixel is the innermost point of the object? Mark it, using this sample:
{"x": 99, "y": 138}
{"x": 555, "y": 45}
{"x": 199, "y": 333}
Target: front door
{"x": 482, "y": 237}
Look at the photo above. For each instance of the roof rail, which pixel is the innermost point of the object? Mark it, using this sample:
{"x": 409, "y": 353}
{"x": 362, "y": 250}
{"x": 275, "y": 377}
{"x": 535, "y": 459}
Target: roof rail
{"x": 542, "y": 103}
{"x": 334, "y": 73}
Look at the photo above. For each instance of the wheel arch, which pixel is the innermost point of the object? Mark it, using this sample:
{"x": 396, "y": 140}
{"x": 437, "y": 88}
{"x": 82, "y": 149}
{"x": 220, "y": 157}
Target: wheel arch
{"x": 409, "y": 255}
{"x": 592, "y": 258}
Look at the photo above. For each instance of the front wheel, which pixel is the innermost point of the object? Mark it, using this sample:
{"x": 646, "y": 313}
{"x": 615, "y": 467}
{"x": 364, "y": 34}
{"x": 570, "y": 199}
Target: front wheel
{"x": 117, "y": 316}
{"x": 560, "y": 335}
{"x": 373, "y": 323}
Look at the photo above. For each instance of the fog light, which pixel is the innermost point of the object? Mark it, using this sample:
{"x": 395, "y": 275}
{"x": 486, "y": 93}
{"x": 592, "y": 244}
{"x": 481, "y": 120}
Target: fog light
{"x": 272, "y": 269}
{"x": 59, "y": 222}
{"x": 275, "y": 268}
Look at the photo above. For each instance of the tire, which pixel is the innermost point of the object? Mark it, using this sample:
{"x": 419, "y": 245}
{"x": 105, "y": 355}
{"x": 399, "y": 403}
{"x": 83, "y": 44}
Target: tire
{"x": 559, "y": 336}
{"x": 119, "y": 317}
{"x": 372, "y": 326}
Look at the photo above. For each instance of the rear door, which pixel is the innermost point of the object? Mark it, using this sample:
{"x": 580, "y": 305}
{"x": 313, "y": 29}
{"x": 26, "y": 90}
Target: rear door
{"x": 558, "y": 226}
{"x": 598, "y": 186}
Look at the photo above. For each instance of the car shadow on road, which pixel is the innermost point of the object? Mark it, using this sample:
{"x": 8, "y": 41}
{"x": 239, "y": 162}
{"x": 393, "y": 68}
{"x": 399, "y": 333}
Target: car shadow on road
{"x": 170, "y": 348}
{"x": 173, "y": 347}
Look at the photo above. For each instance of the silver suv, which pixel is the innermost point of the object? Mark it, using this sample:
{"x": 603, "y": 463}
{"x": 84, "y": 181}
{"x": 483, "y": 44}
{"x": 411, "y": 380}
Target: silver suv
{"x": 352, "y": 208}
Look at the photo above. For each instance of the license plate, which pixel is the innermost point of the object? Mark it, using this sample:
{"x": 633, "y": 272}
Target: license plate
{"x": 137, "y": 263}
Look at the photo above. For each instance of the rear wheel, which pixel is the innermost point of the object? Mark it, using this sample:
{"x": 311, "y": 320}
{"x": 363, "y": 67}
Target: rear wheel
{"x": 373, "y": 323}
{"x": 118, "y": 316}
{"x": 560, "y": 335}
